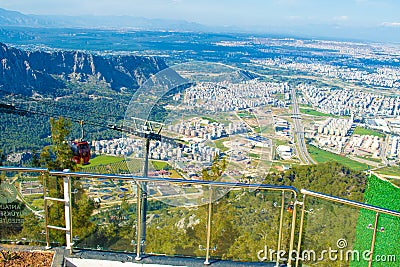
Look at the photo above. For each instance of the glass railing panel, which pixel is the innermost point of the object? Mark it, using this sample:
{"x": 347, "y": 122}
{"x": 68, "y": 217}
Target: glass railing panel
{"x": 55, "y": 209}
{"x": 104, "y": 214}
{"x": 329, "y": 234}
{"x": 246, "y": 225}
{"x": 176, "y": 219}
{"x": 22, "y": 219}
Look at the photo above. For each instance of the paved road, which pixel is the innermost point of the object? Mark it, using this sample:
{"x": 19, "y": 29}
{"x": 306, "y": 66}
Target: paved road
{"x": 304, "y": 156}
{"x": 384, "y": 149}
{"x": 368, "y": 162}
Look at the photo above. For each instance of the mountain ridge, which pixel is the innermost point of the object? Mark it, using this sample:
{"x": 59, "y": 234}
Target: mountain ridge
{"x": 18, "y": 19}
{"x": 24, "y": 72}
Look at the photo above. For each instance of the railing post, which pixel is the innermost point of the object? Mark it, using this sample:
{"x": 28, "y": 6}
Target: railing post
{"x": 207, "y": 261}
{"x": 292, "y": 233}
{"x": 68, "y": 213}
{"x": 301, "y": 229}
{"x": 139, "y": 223}
{"x": 143, "y": 200}
{"x": 71, "y": 213}
{"x": 280, "y": 229}
{"x": 373, "y": 240}
{"x": 46, "y": 212}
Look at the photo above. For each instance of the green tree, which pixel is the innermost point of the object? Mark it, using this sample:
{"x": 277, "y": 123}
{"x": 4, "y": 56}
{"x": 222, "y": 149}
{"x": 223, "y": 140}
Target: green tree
{"x": 216, "y": 170}
{"x": 2, "y": 158}
{"x": 58, "y": 155}
{"x": 35, "y": 159}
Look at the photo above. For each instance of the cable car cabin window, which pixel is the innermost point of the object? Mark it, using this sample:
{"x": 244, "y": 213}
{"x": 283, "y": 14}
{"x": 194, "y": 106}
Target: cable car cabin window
{"x": 74, "y": 149}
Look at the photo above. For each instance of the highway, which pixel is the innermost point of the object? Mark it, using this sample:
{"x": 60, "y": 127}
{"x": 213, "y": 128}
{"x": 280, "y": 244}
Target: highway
{"x": 304, "y": 156}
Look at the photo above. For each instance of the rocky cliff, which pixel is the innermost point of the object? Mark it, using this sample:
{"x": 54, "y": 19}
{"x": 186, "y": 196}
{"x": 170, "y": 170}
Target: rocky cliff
{"x": 43, "y": 72}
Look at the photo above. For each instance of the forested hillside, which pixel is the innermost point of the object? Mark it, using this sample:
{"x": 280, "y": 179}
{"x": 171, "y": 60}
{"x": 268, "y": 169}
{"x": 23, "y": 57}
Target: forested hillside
{"x": 74, "y": 84}
{"x": 330, "y": 178}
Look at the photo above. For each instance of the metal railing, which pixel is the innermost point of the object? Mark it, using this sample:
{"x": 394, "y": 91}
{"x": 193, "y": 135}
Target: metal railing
{"x": 66, "y": 175}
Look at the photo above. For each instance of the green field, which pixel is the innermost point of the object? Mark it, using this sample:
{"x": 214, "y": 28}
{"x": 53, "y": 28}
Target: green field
{"x": 321, "y": 156}
{"x": 211, "y": 120}
{"x": 313, "y": 112}
{"x": 364, "y": 131}
{"x": 118, "y": 165}
{"x": 392, "y": 170}
{"x": 383, "y": 194}
{"x": 103, "y": 160}
{"x": 378, "y": 160}
{"x": 246, "y": 115}
{"x": 159, "y": 165}
{"x": 219, "y": 144}
{"x": 279, "y": 142}
{"x": 262, "y": 129}
{"x": 254, "y": 155}
{"x": 112, "y": 165}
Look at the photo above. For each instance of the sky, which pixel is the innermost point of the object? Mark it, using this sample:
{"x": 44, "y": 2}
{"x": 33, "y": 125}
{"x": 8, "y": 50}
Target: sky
{"x": 242, "y": 13}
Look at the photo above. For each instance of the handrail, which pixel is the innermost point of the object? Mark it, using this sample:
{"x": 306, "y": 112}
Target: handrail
{"x": 67, "y": 175}
{"x": 138, "y": 179}
{"x": 178, "y": 181}
{"x": 22, "y": 169}
{"x": 207, "y": 183}
{"x": 292, "y": 189}
{"x": 351, "y": 203}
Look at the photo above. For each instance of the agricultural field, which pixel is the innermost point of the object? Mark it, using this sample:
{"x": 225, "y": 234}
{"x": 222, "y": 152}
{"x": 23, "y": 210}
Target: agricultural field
{"x": 118, "y": 165}
{"x": 103, "y": 160}
{"x": 110, "y": 164}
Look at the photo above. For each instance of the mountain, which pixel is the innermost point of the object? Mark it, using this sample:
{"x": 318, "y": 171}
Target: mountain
{"x": 385, "y": 32}
{"x": 27, "y": 71}
{"x": 14, "y": 18}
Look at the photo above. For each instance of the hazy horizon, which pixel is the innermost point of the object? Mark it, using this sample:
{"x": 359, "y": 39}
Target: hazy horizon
{"x": 356, "y": 19}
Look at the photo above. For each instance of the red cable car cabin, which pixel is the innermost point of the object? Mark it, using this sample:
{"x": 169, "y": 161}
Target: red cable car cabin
{"x": 81, "y": 151}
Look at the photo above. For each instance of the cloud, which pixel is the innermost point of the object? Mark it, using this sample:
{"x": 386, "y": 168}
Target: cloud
{"x": 391, "y": 24}
{"x": 341, "y": 18}
{"x": 294, "y": 17}
{"x": 364, "y": 2}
